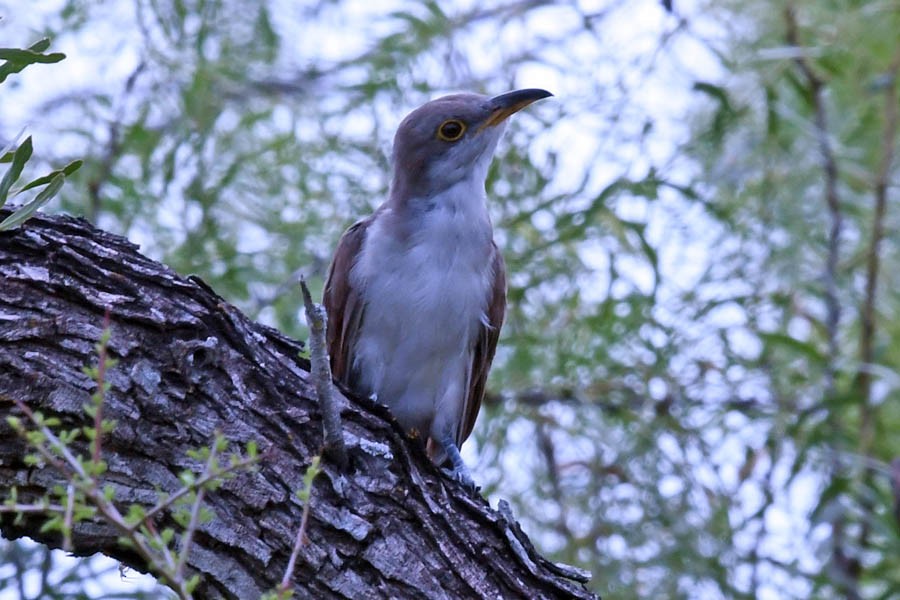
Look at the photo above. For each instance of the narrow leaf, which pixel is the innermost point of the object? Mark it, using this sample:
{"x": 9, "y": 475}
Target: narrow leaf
{"x": 17, "y": 59}
{"x": 40, "y": 45}
{"x": 22, "y": 215}
{"x": 67, "y": 171}
{"x": 6, "y": 155}
{"x": 23, "y": 153}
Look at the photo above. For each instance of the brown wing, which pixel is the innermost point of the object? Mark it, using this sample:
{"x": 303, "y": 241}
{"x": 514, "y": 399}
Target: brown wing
{"x": 343, "y": 303}
{"x": 485, "y": 348}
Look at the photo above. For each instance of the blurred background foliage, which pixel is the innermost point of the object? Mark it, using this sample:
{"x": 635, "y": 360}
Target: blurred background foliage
{"x": 696, "y": 393}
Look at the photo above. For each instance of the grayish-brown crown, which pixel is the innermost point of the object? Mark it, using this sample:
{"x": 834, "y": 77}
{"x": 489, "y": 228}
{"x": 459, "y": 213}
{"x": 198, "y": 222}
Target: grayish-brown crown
{"x": 429, "y": 157}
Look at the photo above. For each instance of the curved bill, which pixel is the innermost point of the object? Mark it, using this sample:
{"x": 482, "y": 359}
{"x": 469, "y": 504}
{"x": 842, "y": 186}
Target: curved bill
{"x": 510, "y": 103}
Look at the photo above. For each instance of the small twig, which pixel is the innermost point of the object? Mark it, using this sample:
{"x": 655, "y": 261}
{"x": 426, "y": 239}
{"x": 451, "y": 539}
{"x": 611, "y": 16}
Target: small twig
{"x": 188, "y": 535}
{"x": 164, "y": 550}
{"x": 863, "y": 381}
{"x": 101, "y": 389}
{"x": 70, "y": 464}
{"x": 873, "y": 260}
{"x": 306, "y": 496}
{"x": 32, "y": 508}
{"x": 895, "y": 487}
{"x": 832, "y": 201}
{"x": 285, "y": 584}
{"x": 87, "y": 484}
{"x": 548, "y": 450}
{"x": 113, "y": 149}
{"x": 847, "y": 570}
{"x": 168, "y": 569}
{"x": 201, "y": 481}
{"x": 67, "y": 521}
{"x": 321, "y": 375}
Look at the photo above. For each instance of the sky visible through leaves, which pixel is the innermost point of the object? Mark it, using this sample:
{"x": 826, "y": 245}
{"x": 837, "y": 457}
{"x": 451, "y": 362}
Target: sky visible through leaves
{"x": 673, "y": 405}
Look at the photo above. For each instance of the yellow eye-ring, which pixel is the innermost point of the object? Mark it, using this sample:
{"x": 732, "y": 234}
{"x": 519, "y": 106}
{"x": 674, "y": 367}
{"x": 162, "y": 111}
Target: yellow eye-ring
{"x": 451, "y": 130}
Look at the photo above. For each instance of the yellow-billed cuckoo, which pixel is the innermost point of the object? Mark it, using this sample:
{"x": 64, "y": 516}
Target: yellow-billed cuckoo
{"x": 416, "y": 292}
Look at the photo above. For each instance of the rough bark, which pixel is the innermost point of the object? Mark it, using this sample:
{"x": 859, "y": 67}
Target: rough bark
{"x": 390, "y": 526}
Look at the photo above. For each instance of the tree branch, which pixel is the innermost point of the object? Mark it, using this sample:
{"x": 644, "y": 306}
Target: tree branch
{"x": 863, "y": 382}
{"x": 873, "y": 258}
{"x": 189, "y": 365}
{"x": 832, "y": 202}
{"x": 317, "y": 320}
{"x": 846, "y": 566}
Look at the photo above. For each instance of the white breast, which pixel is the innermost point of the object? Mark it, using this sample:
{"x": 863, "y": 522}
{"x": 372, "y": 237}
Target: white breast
{"x": 426, "y": 298}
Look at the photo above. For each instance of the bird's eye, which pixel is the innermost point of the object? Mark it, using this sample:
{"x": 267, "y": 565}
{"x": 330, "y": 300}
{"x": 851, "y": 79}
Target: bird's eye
{"x": 451, "y": 130}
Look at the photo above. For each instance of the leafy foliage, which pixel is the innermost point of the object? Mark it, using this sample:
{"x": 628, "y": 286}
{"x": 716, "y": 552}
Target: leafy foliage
{"x": 15, "y": 60}
{"x": 165, "y": 549}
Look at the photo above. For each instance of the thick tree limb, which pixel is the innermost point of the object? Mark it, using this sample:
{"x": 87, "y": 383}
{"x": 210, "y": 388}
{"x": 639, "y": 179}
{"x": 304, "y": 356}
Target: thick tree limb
{"x": 191, "y": 364}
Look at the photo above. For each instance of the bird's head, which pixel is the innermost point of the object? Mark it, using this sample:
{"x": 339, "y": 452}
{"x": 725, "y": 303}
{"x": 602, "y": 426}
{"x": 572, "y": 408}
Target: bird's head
{"x": 451, "y": 139}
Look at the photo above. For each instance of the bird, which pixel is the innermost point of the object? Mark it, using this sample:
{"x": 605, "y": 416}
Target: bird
{"x": 415, "y": 295}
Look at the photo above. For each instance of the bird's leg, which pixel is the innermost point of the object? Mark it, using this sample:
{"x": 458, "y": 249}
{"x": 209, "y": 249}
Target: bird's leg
{"x": 459, "y": 472}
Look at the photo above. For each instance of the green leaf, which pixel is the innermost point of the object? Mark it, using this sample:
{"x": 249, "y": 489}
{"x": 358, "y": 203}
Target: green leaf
{"x": 27, "y": 57}
{"x": 311, "y": 472}
{"x": 198, "y": 454}
{"x": 191, "y": 584}
{"x": 187, "y": 478}
{"x": 52, "y": 524}
{"x": 783, "y": 340}
{"x": 126, "y": 542}
{"x": 41, "y": 45}
{"x": 9, "y": 148}
{"x": 67, "y": 171}
{"x": 17, "y": 59}
{"x": 135, "y": 513}
{"x": 166, "y": 535}
{"x": 21, "y": 156}
{"x": 24, "y": 213}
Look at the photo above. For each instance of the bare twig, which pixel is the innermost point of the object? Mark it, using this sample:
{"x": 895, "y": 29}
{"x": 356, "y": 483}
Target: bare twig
{"x": 895, "y": 487}
{"x": 321, "y": 374}
{"x": 113, "y": 150}
{"x": 101, "y": 389}
{"x": 70, "y": 464}
{"x": 138, "y": 534}
{"x": 832, "y": 201}
{"x": 86, "y": 484}
{"x": 67, "y": 521}
{"x": 846, "y": 567}
{"x": 40, "y": 508}
{"x": 863, "y": 382}
{"x": 188, "y": 535}
{"x": 873, "y": 260}
{"x": 295, "y": 553}
{"x": 548, "y": 451}
{"x": 306, "y": 496}
{"x": 201, "y": 481}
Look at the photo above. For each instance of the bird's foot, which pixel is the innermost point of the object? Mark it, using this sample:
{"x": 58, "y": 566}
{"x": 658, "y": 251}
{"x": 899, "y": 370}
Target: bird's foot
{"x": 464, "y": 478}
{"x": 459, "y": 472}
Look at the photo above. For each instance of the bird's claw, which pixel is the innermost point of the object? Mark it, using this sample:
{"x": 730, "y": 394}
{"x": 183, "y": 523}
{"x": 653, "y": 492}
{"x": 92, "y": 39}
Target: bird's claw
{"x": 463, "y": 478}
